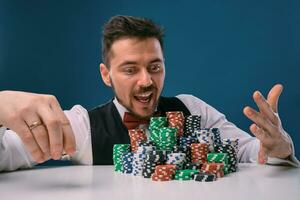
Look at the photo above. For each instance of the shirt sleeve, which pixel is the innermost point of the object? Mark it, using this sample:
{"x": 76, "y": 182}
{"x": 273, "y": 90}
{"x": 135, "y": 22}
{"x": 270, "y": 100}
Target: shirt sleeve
{"x": 14, "y": 155}
{"x": 248, "y": 145}
{"x": 80, "y": 123}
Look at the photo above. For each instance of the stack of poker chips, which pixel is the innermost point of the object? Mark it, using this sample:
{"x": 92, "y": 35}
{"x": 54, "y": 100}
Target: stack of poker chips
{"x": 118, "y": 151}
{"x": 127, "y": 162}
{"x": 219, "y": 158}
{"x": 164, "y": 173}
{"x": 176, "y": 120}
{"x": 136, "y": 136}
{"x": 213, "y": 168}
{"x": 192, "y": 123}
{"x": 217, "y": 136}
{"x": 198, "y": 154}
{"x": 156, "y": 123}
{"x": 139, "y": 158}
{"x": 167, "y": 138}
{"x": 183, "y": 149}
{"x": 153, "y": 159}
{"x": 207, "y": 137}
{"x": 233, "y": 142}
{"x": 232, "y": 156}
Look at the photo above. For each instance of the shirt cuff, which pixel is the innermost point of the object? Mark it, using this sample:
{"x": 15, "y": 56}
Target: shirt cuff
{"x": 290, "y": 161}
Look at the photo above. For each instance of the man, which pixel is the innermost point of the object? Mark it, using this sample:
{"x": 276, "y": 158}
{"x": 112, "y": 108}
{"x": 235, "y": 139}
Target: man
{"x": 133, "y": 66}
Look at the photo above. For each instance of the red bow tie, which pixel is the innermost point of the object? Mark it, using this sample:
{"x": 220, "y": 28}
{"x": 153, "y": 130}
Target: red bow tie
{"x": 131, "y": 122}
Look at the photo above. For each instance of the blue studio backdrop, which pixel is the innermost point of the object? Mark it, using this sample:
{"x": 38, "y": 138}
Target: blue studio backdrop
{"x": 220, "y": 51}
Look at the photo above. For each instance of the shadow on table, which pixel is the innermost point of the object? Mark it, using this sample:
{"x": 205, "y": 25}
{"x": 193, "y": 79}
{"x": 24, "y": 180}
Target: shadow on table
{"x": 56, "y": 163}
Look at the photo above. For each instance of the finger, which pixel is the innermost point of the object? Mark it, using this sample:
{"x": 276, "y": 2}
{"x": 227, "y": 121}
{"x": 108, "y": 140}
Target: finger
{"x": 69, "y": 139}
{"x": 273, "y": 97}
{"x": 260, "y": 120}
{"x": 29, "y": 141}
{"x": 262, "y": 154}
{"x": 265, "y": 108}
{"x": 54, "y": 128}
{"x": 261, "y": 135}
{"x": 258, "y": 133}
{"x": 69, "y": 143}
{"x": 40, "y": 135}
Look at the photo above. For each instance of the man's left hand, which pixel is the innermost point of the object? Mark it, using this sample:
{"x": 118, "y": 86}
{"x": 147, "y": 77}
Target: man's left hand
{"x": 267, "y": 126}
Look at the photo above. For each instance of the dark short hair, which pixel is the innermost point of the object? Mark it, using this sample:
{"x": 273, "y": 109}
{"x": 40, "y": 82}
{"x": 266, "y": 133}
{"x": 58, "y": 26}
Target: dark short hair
{"x": 128, "y": 27}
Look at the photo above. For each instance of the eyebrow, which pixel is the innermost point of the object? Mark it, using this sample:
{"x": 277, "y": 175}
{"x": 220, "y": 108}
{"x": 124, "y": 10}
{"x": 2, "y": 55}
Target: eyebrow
{"x": 129, "y": 62}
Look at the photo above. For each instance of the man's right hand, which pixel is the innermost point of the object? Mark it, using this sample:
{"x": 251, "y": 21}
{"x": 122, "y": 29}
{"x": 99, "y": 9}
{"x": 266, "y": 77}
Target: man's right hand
{"x": 40, "y": 123}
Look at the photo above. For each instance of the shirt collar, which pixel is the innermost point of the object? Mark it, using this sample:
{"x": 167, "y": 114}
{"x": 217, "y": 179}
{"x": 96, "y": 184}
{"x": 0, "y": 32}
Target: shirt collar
{"x": 121, "y": 109}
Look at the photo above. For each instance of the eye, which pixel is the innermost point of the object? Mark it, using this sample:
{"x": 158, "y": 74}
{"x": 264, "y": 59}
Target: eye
{"x": 129, "y": 70}
{"x": 155, "y": 67}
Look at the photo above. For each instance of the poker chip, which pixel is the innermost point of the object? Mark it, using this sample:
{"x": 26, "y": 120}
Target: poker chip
{"x": 205, "y": 177}
{"x": 186, "y": 174}
{"x": 177, "y": 149}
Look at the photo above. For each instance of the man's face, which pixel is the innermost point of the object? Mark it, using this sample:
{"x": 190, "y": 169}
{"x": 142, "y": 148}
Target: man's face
{"x": 136, "y": 74}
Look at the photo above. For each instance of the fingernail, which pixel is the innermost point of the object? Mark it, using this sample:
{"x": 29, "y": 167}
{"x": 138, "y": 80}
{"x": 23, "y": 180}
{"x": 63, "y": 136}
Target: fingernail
{"x": 250, "y": 112}
{"x": 40, "y": 160}
{"x": 56, "y": 156}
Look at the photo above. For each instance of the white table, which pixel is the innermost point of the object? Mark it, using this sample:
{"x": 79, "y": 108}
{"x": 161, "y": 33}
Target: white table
{"x": 101, "y": 182}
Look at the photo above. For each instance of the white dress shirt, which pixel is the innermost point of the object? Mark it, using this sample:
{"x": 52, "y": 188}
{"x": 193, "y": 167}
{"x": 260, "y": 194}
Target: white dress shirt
{"x": 13, "y": 154}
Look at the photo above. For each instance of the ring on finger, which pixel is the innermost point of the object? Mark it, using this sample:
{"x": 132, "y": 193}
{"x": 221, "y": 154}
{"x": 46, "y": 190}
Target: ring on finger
{"x": 34, "y": 125}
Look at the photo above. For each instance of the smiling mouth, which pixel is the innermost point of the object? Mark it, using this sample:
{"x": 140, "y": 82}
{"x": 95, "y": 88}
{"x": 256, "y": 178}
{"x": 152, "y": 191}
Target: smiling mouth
{"x": 144, "y": 97}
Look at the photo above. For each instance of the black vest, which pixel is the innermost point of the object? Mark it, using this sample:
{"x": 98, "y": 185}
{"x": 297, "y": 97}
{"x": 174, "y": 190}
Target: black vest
{"x": 108, "y": 129}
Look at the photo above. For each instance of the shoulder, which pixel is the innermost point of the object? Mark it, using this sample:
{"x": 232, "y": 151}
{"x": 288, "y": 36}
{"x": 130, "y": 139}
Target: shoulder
{"x": 192, "y": 102}
{"x": 199, "y": 107}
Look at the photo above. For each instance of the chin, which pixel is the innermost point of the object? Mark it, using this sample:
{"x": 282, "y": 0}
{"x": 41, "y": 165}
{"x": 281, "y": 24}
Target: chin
{"x": 143, "y": 113}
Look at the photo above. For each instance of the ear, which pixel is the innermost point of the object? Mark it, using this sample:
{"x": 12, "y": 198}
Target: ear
{"x": 104, "y": 71}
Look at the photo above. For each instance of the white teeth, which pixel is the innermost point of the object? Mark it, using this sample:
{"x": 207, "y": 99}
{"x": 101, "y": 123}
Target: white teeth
{"x": 145, "y": 95}
{"x": 145, "y": 98}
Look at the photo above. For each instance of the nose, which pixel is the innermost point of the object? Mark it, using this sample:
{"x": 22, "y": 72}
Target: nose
{"x": 145, "y": 79}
